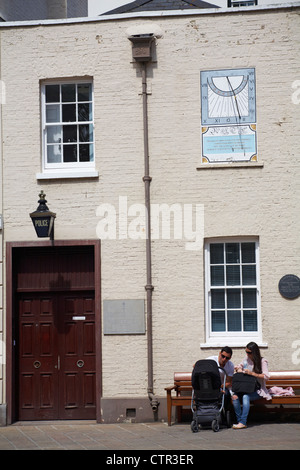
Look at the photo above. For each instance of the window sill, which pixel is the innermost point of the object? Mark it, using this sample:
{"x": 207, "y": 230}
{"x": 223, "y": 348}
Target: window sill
{"x": 210, "y": 166}
{"x": 233, "y": 344}
{"x": 67, "y": 174}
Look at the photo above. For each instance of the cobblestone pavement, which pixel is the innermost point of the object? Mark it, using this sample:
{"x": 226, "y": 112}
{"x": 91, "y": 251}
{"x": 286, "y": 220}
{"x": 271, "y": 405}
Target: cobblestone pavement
{"x": 88, "y": 435}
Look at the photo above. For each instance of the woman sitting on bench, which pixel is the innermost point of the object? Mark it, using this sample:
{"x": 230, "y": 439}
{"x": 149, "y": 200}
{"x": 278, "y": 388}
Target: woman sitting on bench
{"x": 256, "y": 366}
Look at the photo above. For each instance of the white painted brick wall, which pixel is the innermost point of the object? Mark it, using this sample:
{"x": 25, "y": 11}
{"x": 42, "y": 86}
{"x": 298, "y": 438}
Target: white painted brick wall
{"x": 238, "y": 202}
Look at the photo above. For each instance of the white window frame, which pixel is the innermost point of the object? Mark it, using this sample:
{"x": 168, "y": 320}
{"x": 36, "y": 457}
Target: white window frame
{"x": 65, "y": 169}
{"x": 231, "y": 338}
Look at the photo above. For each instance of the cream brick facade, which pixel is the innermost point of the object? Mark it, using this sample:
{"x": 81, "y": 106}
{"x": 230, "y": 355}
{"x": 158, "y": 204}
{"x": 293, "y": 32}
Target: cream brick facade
{"x": 259, "y": 200}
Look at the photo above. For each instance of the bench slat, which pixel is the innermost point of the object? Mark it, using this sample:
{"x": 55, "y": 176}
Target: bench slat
{"x": 183, "y": 384}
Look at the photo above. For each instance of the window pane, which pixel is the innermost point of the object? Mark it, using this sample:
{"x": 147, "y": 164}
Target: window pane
{"x": 65, "y": 105}
{"x": 85, "y": 112}
{"x": 91, "y": 152}
{"x": 53, "y": 153}
{"x": 70, "y": 133}
{"x": 248, "y": 252}
{"x": 52, "y": 94}
{"x": 85, "y": 92}
{"x": 53, "y": 113}
{"x": 232, "y": 253}
{"x": 234, "y": 320}
{"x": 218, "y": 298}
{"x": 86, "y": 133}
{"x": 69, "y": 112}
{"x": 217, "y": 275}
{"x": 234, "y": 298}
{"x": 68, "y": 92}
{"x": 250, "y": 320}
{"x": 218, "y": 321}
{"x": 233, "y": 275}
{"x": 249, "y": 298}
{"x": 236, "y": 268}
{"x": 85, "y": 152}
{"x": 216, "y": 253}
{"x": 53, "y": 134}
{"x": 249, "y": 275}
{"x": 70, "y": 153}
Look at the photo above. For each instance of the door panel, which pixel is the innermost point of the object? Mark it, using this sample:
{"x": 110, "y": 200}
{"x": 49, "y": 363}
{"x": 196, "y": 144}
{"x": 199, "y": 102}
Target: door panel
{"x": 57, "y": 378}
{"x": 38, "y": 378}
{"x": 77, "y": 356}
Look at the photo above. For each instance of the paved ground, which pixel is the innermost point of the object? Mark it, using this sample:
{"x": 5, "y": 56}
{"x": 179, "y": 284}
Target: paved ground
{"x": 88, "y": 435}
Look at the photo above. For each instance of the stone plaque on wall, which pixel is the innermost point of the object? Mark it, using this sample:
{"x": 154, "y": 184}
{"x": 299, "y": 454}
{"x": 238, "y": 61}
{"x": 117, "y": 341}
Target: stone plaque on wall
{"x": 289, "y": 286}
{"x": 121, "y": 317}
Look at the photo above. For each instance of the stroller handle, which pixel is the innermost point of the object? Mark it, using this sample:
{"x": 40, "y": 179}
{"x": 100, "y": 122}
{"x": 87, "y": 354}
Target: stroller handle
{"x": 225, "y": 376}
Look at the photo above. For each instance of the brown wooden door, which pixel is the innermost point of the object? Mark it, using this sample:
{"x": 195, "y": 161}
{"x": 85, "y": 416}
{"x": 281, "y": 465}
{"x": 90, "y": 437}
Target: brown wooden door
{"x": 57, "y": 378}
{"x": 77, "y": 377}
{"x": 38, "y": 372}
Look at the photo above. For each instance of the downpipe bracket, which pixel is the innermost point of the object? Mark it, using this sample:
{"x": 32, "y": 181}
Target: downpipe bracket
{"x": 149, "y": 287}
{"x": 147, "y": 178}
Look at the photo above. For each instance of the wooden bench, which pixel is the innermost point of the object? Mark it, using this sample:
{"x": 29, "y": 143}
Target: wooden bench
{"x": 180, "y": 394}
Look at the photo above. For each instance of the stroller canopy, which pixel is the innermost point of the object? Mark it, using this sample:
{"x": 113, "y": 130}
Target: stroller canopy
{"x": 208, "y": 368}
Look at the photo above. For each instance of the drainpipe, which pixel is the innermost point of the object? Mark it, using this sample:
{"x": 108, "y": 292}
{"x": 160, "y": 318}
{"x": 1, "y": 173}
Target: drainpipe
{"x": 141, "y": 52}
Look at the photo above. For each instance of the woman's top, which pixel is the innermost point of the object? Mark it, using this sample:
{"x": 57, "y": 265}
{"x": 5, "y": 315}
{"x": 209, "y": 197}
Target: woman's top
{"x": 248, "y": 364}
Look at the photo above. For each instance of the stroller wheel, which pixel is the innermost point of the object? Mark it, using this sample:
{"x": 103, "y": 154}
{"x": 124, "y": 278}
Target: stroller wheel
{"x": 215, "y": 425}
{"x": 194, "y": 426}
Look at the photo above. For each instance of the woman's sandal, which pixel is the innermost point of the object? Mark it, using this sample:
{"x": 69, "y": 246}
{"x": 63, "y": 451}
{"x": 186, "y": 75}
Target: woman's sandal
{"x": 239, "y": 426}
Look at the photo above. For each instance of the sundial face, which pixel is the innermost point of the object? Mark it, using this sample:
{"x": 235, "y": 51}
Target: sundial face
{"x": 228, "y": 97}
{"x": 228, "y": 115}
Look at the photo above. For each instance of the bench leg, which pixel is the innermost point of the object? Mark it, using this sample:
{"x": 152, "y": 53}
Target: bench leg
{"x": 169, "y": 408}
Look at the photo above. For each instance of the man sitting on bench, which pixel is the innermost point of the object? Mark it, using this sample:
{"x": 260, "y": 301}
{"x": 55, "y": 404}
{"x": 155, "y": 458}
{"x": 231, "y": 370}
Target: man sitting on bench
{"x": 223, "y": 361}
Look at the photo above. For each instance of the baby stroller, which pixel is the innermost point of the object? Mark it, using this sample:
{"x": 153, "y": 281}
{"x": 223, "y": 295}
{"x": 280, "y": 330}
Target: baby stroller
{"x": 207, "y": 398}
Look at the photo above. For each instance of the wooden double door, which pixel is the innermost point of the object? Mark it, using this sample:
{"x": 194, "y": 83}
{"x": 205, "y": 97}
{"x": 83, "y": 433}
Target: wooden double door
{"x": 56, "y": 364}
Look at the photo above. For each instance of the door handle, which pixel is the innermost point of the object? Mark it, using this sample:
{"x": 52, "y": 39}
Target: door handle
{"x": 80, "y": 363}
{"x": 37, "y": 364}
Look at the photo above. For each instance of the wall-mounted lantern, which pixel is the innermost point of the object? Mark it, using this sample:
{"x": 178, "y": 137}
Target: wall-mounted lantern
{"x": 43, "y": 219}
{"x": 141, "y": 47}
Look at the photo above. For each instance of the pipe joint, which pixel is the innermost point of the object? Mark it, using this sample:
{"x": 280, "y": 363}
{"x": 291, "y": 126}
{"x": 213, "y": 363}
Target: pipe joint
{"x": 147, "y": 178}
{"x": 149, "y": 287}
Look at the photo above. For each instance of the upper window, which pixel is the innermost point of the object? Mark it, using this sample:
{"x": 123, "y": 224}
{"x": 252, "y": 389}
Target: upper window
{"x": 232, "y": 290}
{"x": 68, "y": 125}
{"x": 241, "y": 3}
